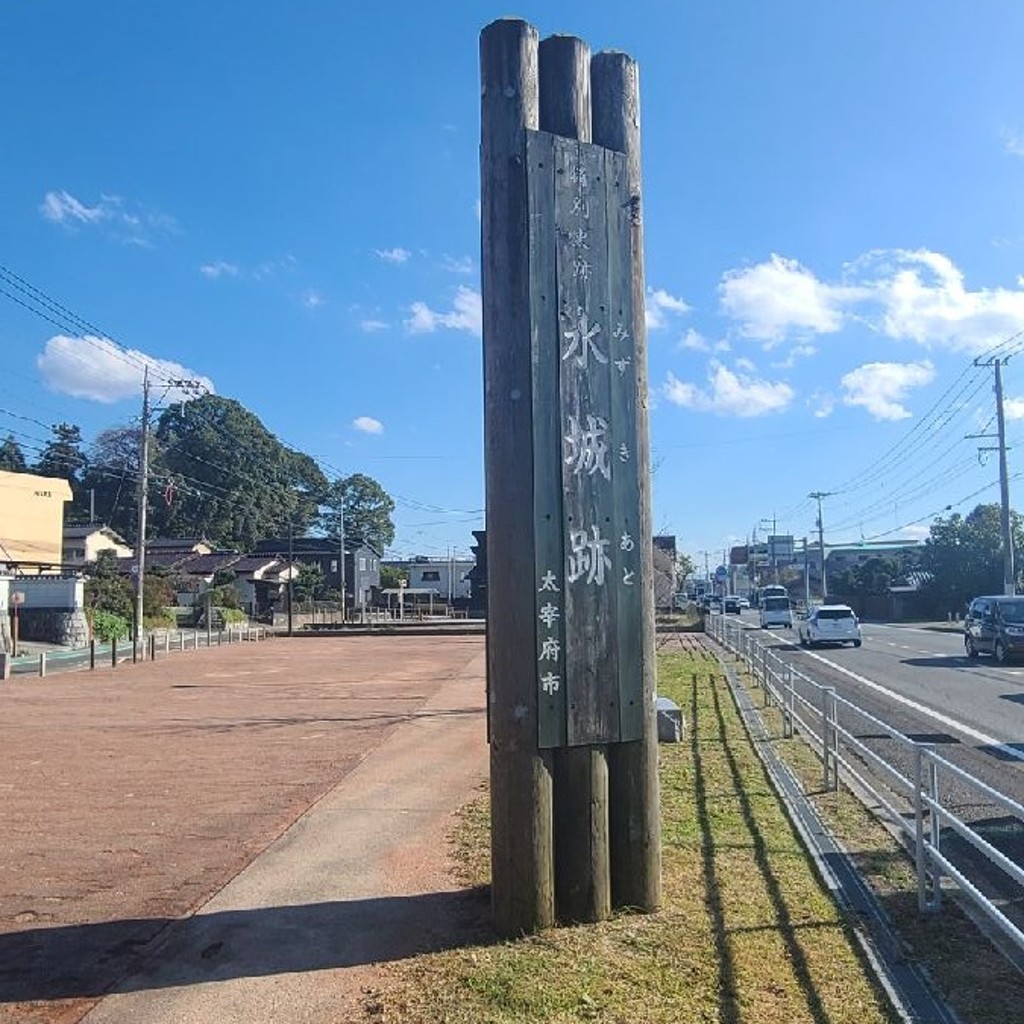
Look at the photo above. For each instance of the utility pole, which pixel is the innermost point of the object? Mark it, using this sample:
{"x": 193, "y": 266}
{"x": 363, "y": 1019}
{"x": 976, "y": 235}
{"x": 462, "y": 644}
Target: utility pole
{"x": 140, "y": 566}
{"x": 817, "y": 496}
{"x": 341, "y": 553}
{"x": 771, "y": 549}
{"x": 807, "y": 577}
{"x": 291, "y": 569}
{"x": 1009, "y": 580}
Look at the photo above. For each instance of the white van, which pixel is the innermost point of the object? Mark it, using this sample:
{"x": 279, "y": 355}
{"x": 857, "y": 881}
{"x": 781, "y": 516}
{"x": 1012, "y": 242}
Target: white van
{"x": 775, "y": 611}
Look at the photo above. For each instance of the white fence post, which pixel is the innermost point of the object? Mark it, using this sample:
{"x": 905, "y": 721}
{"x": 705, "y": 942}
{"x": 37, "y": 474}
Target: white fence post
{"x": 788, "y": 703}
{"x": 919, "y": 852}
{"x": 830, "y": 771}
{"x": 42, "y": 663}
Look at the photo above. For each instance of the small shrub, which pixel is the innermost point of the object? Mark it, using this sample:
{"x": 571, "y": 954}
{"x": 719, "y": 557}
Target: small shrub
{"x": 165, "y": 620}
{"x": 233, "y": 616}
{"x": 106, "y": 626}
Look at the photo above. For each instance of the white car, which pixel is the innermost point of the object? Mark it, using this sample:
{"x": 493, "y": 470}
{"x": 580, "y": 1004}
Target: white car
{"x": 830, "y": 624}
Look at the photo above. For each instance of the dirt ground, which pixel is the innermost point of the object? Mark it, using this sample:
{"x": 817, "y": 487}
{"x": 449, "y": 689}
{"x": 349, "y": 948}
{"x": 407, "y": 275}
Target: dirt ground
{"x": 133, "y": 795}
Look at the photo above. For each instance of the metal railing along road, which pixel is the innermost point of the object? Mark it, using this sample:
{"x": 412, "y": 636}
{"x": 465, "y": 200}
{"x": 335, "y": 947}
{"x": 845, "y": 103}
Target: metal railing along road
{"x": 827, "y": 721}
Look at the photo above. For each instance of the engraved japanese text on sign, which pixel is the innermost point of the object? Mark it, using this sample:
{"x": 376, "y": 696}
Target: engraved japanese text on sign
{"x": 586, "y": 492}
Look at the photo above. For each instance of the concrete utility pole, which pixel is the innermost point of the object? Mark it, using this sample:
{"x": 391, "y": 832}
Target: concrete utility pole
{"x": 1009, "y": 579}
{"x": 817, "y": 496}
{"x": 341, "y": 553}
{"x": 771, "y": 548}
{"x": 140, "y": 555}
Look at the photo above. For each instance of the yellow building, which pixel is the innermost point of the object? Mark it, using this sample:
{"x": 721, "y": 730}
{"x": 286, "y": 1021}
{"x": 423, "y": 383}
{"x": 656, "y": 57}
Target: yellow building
{"x": 32, "y": 520}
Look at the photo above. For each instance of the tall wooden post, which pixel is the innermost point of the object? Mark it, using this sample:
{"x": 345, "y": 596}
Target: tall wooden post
{"x": 582, "y": 870}
{"x": 635, "y": 812}
{"x": 521, "y": 820}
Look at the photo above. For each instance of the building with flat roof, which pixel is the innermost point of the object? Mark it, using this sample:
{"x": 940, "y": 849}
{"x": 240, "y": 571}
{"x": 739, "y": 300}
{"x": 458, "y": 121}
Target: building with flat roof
{"x": 32, "y": 521}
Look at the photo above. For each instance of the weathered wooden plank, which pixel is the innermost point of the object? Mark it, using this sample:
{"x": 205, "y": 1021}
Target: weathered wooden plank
{"x": 635, "y": 820}
{"x": 522, "y": 869}
{"x": 591, "y": 656}
{"x": 549, "y": 577}
{"x": 623, "y": 447}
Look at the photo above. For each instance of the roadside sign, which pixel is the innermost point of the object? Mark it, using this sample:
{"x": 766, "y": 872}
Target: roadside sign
{"x": 17, "y": 597}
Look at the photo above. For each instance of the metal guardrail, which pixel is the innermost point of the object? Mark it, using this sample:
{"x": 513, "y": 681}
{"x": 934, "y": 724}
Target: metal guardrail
{"x": 824, "y": 719}
{"x": 114, "y": 653}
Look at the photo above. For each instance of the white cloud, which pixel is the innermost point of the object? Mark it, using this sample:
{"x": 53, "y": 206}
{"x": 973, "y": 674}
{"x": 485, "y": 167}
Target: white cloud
{"x": 742, "y": 363}
{"x": 923, "y": 298}
{"x": 95, "y": 368}
{"x": 729, "y": 393}
{"x": 466, "y": 315}
{"x": 778, "y": 296}
{"x": 909, "y": 295}
{"x": 659, "y": 303}
{"x": 126, "y": 220}
{"x": 693, "y": 341}
{"x": 1013, "y": 408}
{"x": 368, "y": 425}
{"x": 457, "y": 265}
{"x": 1013, "y": 141}
{"x": 821, "y": 404}
{"x": 312, "y": 299}
{"x": 881, "y": 388}
{"x": 219, "y": 268}
{"x": 370, "y": 325}
{"x": 61, "y": 206}
{"x": 795, "y": 353}
{"x": 397, "y": 255}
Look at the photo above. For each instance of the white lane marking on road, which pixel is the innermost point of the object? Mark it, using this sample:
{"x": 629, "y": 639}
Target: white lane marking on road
{"x": 966, "y": 730}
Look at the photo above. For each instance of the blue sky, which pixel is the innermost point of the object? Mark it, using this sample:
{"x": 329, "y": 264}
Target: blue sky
{"x": 282, "y": 200}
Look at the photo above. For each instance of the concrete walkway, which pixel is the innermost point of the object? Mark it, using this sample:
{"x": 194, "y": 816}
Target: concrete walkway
{"x": 362, "y": 877}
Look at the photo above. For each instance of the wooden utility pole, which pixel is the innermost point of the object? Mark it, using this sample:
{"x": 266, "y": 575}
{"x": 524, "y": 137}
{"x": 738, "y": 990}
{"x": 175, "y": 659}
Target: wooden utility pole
{"x": 574, "y": 794}
{"x": 140, "y": 555}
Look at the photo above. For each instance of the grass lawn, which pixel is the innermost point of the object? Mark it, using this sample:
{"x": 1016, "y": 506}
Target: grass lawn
{"x": 746, "y": 934}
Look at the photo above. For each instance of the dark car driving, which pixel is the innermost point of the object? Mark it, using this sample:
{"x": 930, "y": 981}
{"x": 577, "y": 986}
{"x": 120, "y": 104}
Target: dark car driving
{"x": 995, "y": 625}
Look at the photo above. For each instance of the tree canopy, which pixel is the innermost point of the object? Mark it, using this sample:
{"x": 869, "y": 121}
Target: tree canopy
{"x": 963, "y": 556}
{"x": 367, "y": 508}
{"x": 63, "y": 455}
{"x": 12, "y": 458}
{"x": 220, "y": 474}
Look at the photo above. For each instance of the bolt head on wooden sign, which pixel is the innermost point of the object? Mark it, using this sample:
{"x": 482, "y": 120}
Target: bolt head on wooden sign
{"x": 586, "y": 493}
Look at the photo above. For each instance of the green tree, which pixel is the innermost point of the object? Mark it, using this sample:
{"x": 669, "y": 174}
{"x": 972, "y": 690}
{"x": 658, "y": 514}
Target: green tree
{"x": 63, "y": 456}
{"x": 963, "y": 557}
{"x": 106, "y": 590}
{"x": 112, "y": 476}
{"x": 391, "y": 576}
{"x": 308, "y": 582}
{"x": 233, "y": 481}
{"x": 684, "y": 569}
{"x": 12, "y": 458}
{"x": 367, "y": 508}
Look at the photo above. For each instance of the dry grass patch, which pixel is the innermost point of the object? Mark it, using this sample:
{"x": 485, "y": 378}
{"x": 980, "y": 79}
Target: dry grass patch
{"x": 747, "y": 933}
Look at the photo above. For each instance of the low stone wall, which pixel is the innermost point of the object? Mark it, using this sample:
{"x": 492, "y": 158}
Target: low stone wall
{"x": 53, "y": 626}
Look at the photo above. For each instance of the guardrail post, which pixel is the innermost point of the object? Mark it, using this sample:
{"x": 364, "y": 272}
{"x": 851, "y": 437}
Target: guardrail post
{"x": 919, "y": 849}
{"x": 113, "y": 653}
{"x": 5, "y": 665}
{"x": 764, "y": 676}
{"x": 934, "y": 834}
{"x": 92, "y": 654}
{"x": 42, "y": 663}
{"x": 788, "y": 702}
{"x": 181, "y": 640}
{"x": 167, "y": 642}
{"x": 152, "y": 647}
{"x": 830, "y": 771}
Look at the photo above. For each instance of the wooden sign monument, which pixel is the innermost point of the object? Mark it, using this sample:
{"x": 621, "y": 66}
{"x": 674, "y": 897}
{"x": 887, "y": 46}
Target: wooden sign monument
{"x": 570, "y": 667}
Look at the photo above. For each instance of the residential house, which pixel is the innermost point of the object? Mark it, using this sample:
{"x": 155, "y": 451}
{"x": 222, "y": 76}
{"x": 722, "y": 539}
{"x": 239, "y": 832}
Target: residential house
{"x": 362, "y": 562}
{"x": 84, "y": 543}
{"x": 32, "y": 521}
